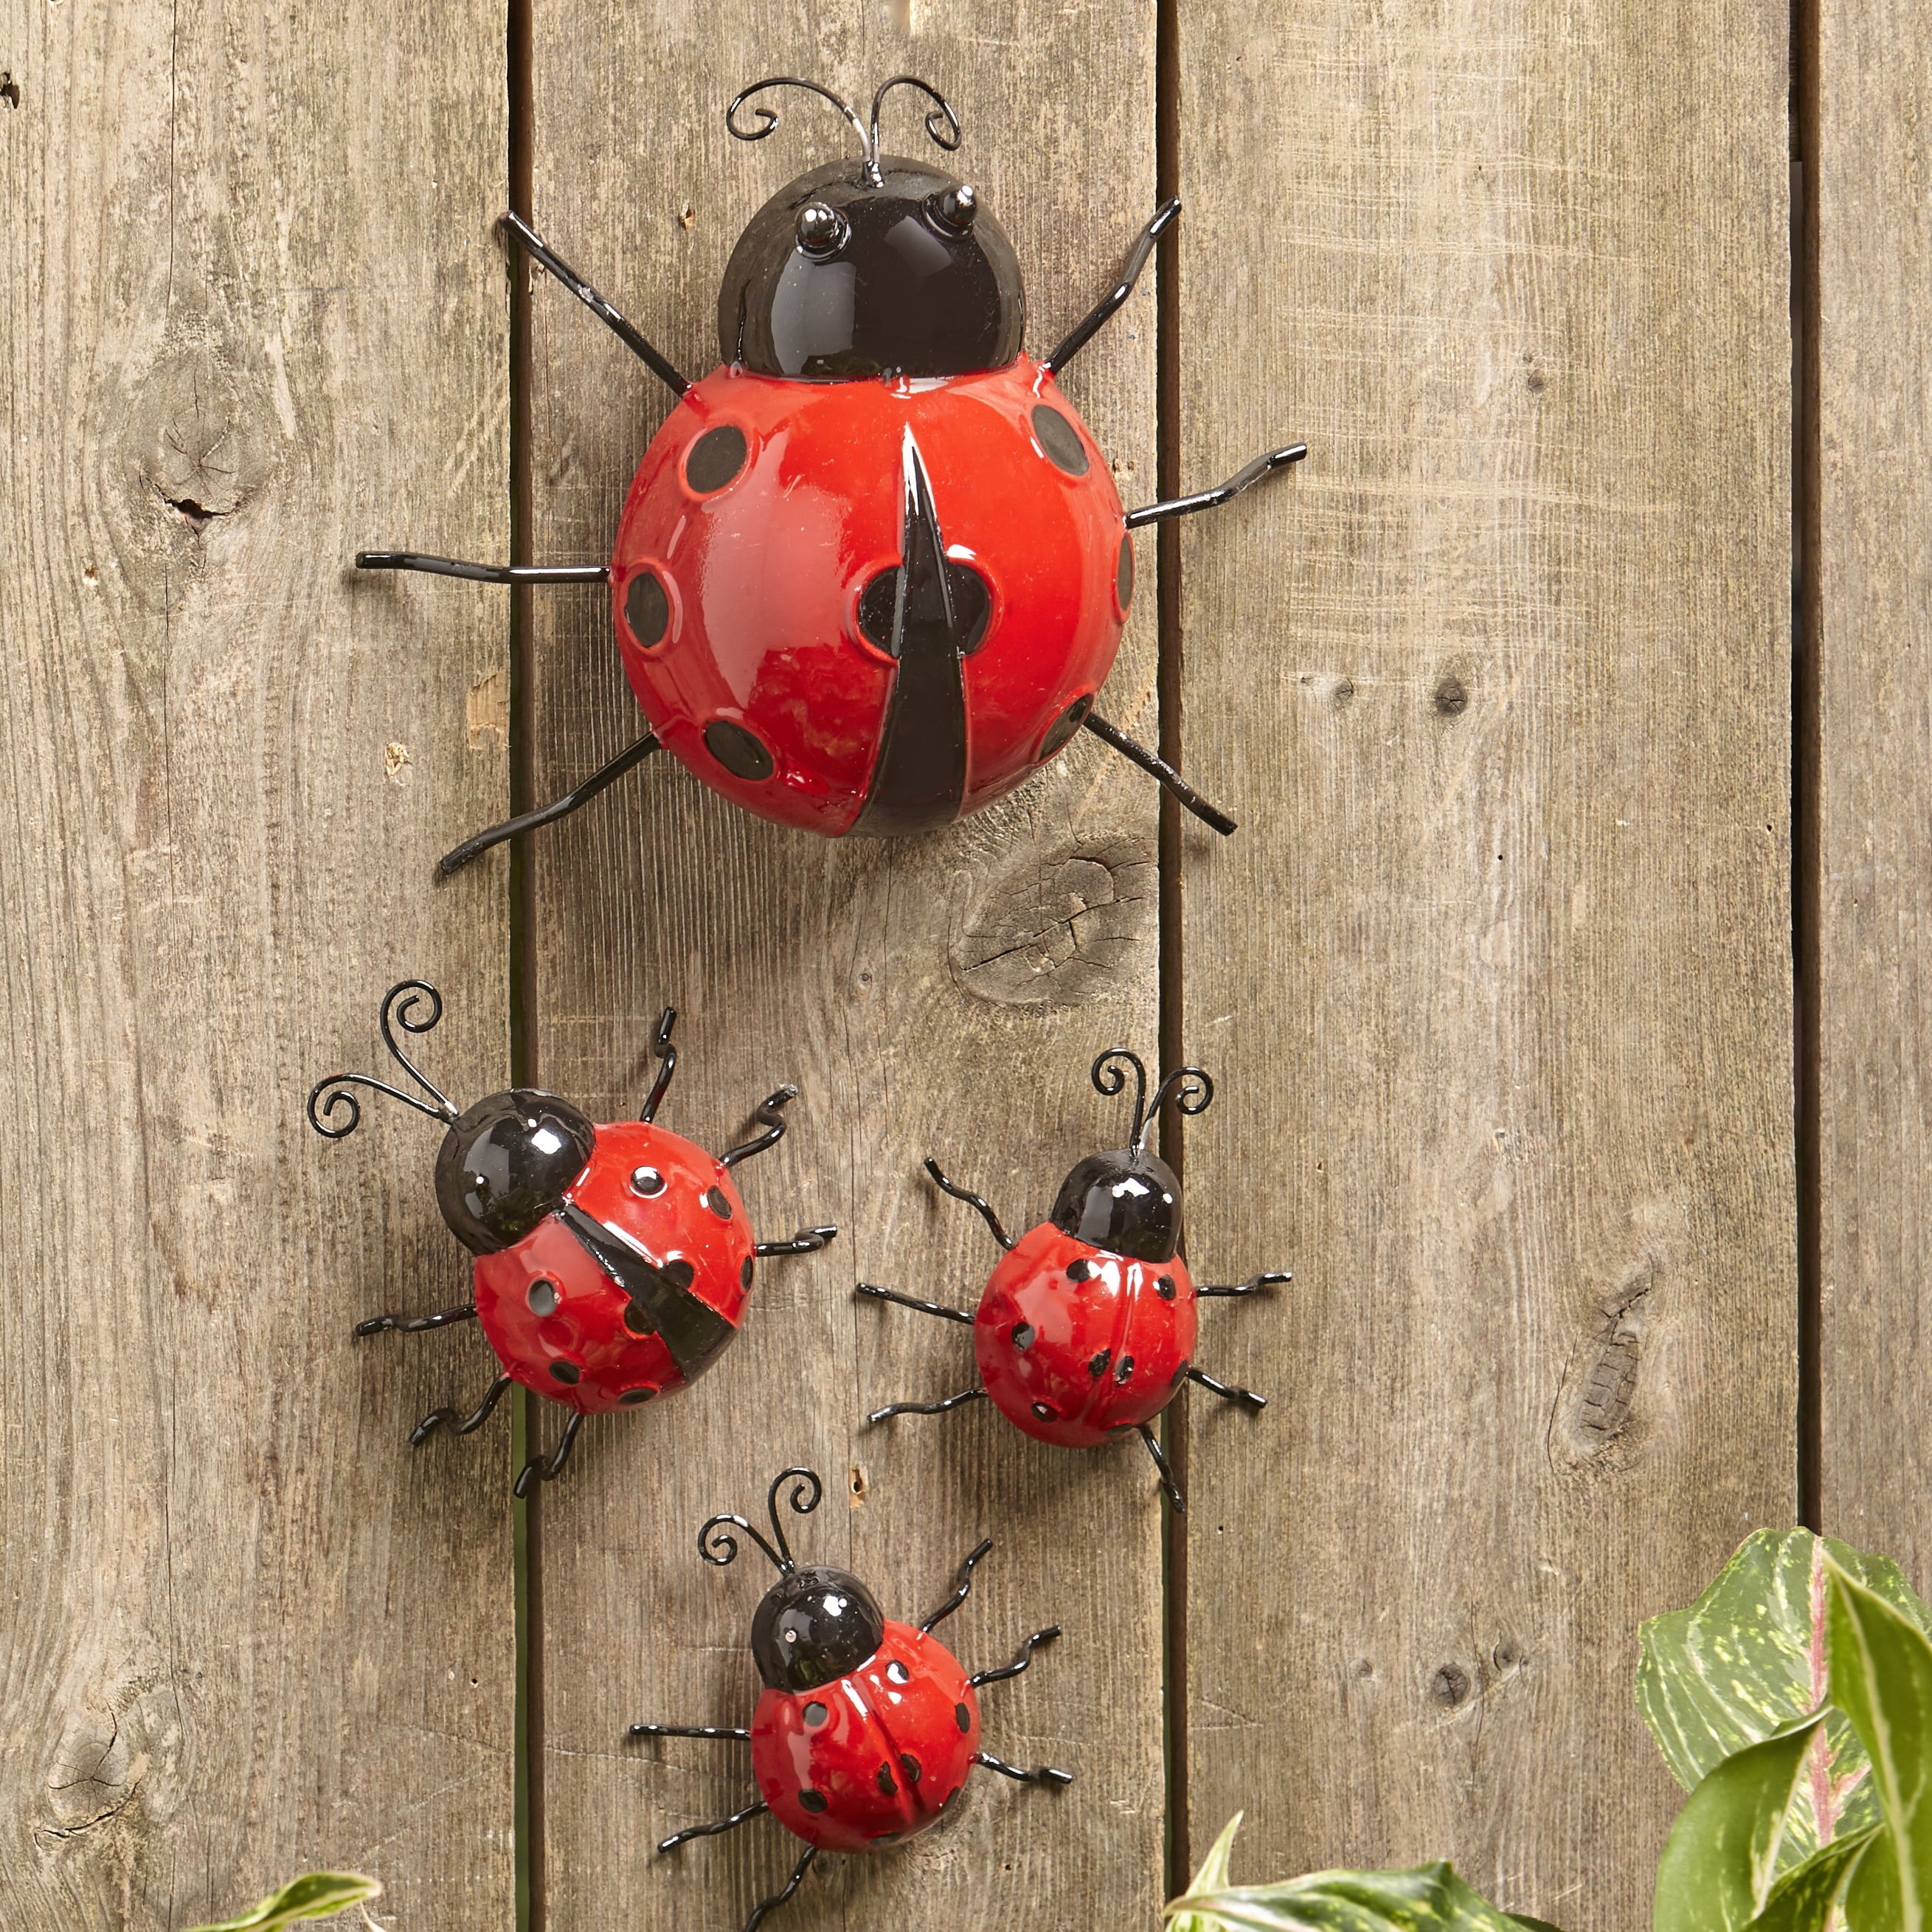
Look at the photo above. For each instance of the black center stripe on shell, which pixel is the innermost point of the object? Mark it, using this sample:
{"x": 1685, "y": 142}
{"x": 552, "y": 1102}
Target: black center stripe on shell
{"x": 693, "y": 1330}
{"x": 919, "y": 779}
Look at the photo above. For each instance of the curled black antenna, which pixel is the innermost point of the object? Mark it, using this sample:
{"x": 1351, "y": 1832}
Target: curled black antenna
{"x": 399, "y": 1006}
{"x": 942, "y": 124}
{"x": 717, "y": 1545}
{"x": 666, "y": 1055}
{"x": 768, "y": 120}
{"x": 1109, "y": 1075}
{"x": 1191, "y": 1091}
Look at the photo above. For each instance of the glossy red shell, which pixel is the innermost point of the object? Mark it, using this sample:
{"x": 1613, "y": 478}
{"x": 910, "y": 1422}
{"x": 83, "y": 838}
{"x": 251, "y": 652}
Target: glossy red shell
{"x": 762, "y": 577}
{"x": 1097, "y": 1354}
{"x": 586, "y": 1330}
{"x": 887, "y": 1752}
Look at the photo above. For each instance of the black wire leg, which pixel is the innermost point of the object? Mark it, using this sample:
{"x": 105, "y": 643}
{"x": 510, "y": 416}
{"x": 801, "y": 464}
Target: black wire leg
{"x": 1020, "y": 1662}
{"x": 436, "y": 1417}
{"x": 951, "y": 1402}
{"x": 912, "y": 1302}
{"x": 1206, "y": 500}
{"x": 975, "y": 1201}
{"x": 1174, "y": 1495}
{"x": 415, "y": 1324}
{"x": 1158, "y": 767}
{"x": 690, "y": 1731}
{"x": 1228, "y": 1391}
{"x": 547, "y": 1469}
{"x": 454, "y": 860}
{"x": 535, "y": 246}
{"x": 768, "y": 1113}
{"x": 756, "y": 1809}
{"x": 666, "y": 1055}
{"x": 806, "y": 1241}
{"x": 1041, "y": 1774}
{"x": 483, "y": 573}
{"x": 962, "y": 1587}
{"x": 1261, "y": 1282}
{"x": 777, "y": 1898}
{"x": 1103, "y": 311}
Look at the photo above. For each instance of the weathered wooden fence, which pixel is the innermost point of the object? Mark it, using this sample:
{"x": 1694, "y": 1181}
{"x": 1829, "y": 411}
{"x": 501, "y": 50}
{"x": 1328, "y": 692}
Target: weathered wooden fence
{"x": 1497, "y": 980}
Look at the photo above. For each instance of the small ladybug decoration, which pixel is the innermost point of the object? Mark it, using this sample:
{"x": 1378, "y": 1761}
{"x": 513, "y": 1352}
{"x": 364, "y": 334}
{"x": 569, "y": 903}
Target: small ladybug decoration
{"x": 867, "y": 1729}
{"x": 872, "y": 571}
{"x": 1085, "y": 1330}
{"x": 613, "y": 1262}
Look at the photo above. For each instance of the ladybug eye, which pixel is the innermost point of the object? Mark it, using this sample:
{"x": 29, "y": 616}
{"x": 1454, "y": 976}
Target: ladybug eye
{"x": 822, "y": 231}
{"x": 954, "y": 209}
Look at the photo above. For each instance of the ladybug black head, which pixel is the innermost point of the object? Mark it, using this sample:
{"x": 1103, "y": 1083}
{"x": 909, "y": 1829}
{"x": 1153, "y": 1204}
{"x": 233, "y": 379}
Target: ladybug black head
{"x": 877, "y": 265}
{"x": 505, "y": 1162}
{"x": 813, "y": 1626}
{"x": 1128, "y": 1201}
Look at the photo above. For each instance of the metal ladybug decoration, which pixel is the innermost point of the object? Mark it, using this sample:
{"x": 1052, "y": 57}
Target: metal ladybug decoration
{"x": 613, "y": 1261}
{"x": 1085, "y": 1330}
{"x": 867, "y": 1729}
{"x": 872, "y": 571}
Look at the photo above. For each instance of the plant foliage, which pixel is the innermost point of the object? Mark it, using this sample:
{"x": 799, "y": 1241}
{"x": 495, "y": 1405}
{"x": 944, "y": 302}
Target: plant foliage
{"x": 314, "y": 1895}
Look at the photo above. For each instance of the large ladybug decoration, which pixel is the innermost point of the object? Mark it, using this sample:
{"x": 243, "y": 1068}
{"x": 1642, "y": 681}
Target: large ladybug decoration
{"x": 1085, "y": 1330}
{"x": 872, "y": 571}
{"x": 867, "y": 1729}
{"x": 614, "y": 1262}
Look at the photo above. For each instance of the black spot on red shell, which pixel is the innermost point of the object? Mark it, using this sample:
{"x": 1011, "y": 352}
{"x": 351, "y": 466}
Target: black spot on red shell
{"x": 815, "y": 1715}
{"x": 1164, "y": 1288}
{"x": 1064, "y": 726}
{"x": 1125, "y": 1369}
{"x": 1022, "y": 1336}
{"x": 714, "y": 1199}
{"x": 564, "y": 1372}
{"x": 1059, "y": 440}
{"x": 543, "y": 1296}
{"x": 647, "y": 608}
{"x": 647, "y": 1181}
{"x": 1080, "y": 1271}
{"x": 1179, "y": 1376}
{"x": 812, "y": 1801}
{"x": 745, "y": 1274}
{"x": 741, "y": 752}
{"x": 1098, "y": 1366}
{"x": 679, "y": 1274}
{"x": 632, "y": 1396}
{"x": 972, "y": 607}
{"x": 637, "y": 1321}
{"x": 715, "y": 457}
{"x": 1044, "y": 1411}
{"x": 1123, "y": 573}
{"x": 910, "y": 1765}
{"x": 887, "y": 1783}
{"x": 962, "y": 1717}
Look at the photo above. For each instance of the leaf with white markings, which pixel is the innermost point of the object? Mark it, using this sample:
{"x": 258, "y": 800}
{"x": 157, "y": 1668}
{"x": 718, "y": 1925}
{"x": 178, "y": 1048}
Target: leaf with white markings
{"x": 314, "y": 1895}
{"x": 1747, "y": 1661}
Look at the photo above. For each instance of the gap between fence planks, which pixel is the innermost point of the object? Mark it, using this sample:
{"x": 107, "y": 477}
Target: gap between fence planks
{"x": 253, "y": 317}
{"x": 1496, "y": 982}
{"x": 887, "y": 979}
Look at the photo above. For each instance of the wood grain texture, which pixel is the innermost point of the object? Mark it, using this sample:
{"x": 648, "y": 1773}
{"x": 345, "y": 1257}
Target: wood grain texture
{"x": 253, "y": 316}
{"x": 880, "y": 977}
{"x": 1874, "y": 601}
{"x": 1496, "y": 980}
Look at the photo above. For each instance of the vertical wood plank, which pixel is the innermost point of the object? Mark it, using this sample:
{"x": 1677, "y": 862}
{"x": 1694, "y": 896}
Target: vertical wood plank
{"x": 253, "y": 317}
{"x": 1496, "y": 977}
{"x": 863, "y": 972}
{"x": 1873, "y": 601}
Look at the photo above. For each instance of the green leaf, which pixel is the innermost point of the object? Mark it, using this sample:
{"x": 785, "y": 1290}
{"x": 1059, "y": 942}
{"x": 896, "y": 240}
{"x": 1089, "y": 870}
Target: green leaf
{"x": 314, "y": 1895}
{"x": 1431, "y": 1898}
{"x": 1746, "y": 1660}
{"x": 1882, "y": 1679}
{"x": 1213, "y": 1876}
{"x": 1722, "y": 1855}
{"x": 1805, "y": 1899}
